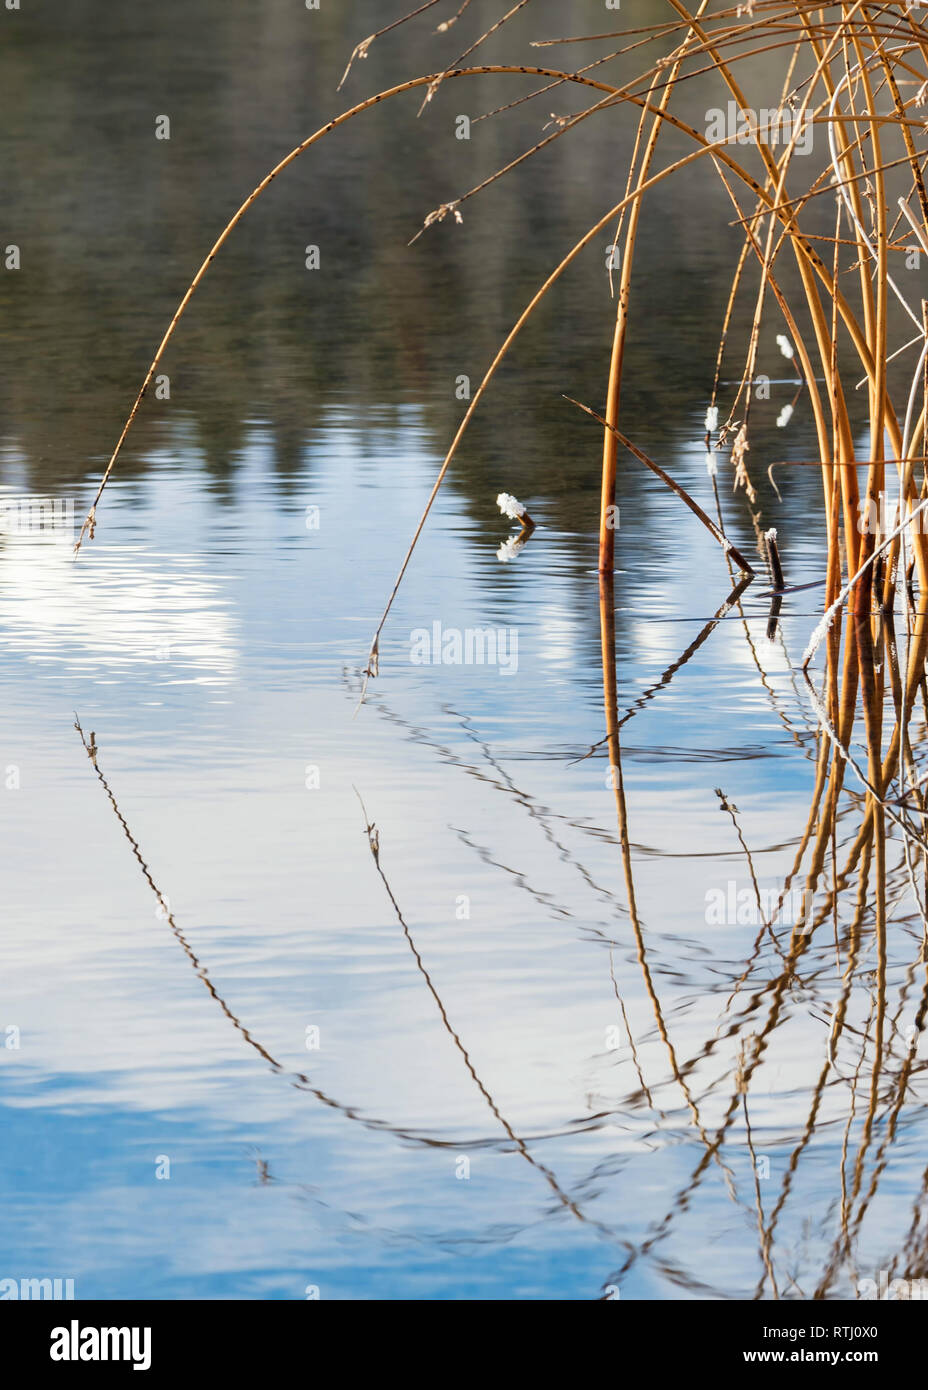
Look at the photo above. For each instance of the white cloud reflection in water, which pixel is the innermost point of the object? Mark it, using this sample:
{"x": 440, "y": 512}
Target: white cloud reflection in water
{"x": 122, "y": 610}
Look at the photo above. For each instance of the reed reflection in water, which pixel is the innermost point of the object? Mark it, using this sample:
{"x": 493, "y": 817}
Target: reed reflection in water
{"x": 779, "y": 1082}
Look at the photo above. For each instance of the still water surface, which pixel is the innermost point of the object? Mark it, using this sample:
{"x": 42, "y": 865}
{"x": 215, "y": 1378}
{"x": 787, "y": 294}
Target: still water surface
{"x": 256, "y": 1058}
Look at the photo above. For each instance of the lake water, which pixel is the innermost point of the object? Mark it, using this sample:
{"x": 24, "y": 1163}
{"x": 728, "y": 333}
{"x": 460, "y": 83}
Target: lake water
{"x": 254, "y": 1047}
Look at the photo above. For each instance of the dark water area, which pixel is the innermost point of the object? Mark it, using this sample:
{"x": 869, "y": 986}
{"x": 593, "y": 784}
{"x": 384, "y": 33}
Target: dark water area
{"x": 256, "y": 1048}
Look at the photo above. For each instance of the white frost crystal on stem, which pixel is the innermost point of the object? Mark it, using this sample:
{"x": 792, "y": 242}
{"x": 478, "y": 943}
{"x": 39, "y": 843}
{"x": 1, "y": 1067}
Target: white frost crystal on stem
{"x": 784, "y": 417}
{"x": 510, "y": 506}
{"x": 712, "y": 418}
{"x": 785, "y": 346}
{"x": 712, "y": 466}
